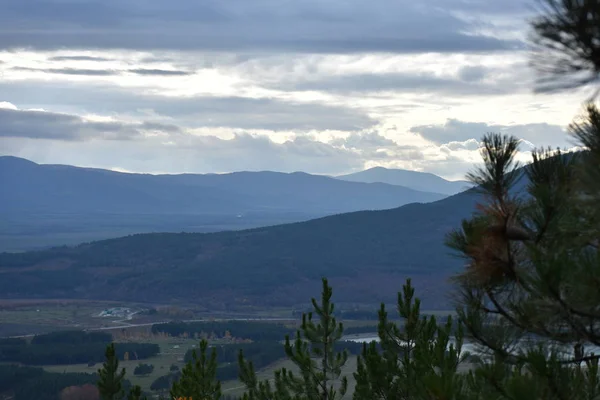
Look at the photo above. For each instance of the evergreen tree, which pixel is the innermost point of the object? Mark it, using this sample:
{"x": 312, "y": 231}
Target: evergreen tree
{"x": 529, "y": 295}
{"x": 135, "y": 393}
{"x": 416, "y": 361}
{"x": 313, "y": 353}
{"x": 110, "y": 379}
{"x": 199, "y": 377}
{"x": 566, "y": 38}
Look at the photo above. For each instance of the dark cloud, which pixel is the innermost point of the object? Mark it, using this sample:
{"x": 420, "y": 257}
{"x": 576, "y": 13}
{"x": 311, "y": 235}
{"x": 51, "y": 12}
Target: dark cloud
{"x": 472, "y": 74}
{"x": 101, "y": 72}
{"x": 468, "y": 82}
{"x": 505, "y": 7}
{"x": 70, "y": 71}
{"x": 160, "y": 72}
{"x": 263, "y": 25}
{"x": 209, "y": 111}
{"x": 539, "y": 134}
{"x": 55, "y": 126}
{"x": 79, "y": 58}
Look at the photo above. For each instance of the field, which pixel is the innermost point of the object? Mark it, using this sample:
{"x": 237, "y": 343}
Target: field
{"x": 234, "y": 387}
{"x": 33, "y": 316}
{"x": 28, "y": 317}
{"x": 172, "y": 353}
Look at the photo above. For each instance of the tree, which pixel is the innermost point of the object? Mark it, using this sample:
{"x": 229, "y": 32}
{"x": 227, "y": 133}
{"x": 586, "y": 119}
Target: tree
{"x": 110, "y": 379}
{"x": 319, "y": 365}
{"x": 143, "y": 369}
{"x": 530, "y": 292}
{"x": 199, "y": 376}
{"x": 416, "y": 361}
{"x": 566, "y": 36}
{"x": 135, "y": 393}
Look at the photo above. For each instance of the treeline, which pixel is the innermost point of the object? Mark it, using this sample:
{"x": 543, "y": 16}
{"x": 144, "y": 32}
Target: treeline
{"x": 255, "y": 331}
{"x": 72, "y": 337}
{"x": 69, "y": 347}
{"x": 356, "y": 315}
{"x": 26, "y": 383}
{"x": 268, "y": 351}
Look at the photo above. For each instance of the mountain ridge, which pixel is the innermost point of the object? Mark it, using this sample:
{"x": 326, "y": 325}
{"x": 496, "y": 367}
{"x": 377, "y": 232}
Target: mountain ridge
{"x": 367, "y": 255}
{"x": 423, "y": 181}
{"x": 51, "y": 204}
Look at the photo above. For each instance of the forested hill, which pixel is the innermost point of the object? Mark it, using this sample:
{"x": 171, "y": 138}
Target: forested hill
{"x": 366, "y": 255}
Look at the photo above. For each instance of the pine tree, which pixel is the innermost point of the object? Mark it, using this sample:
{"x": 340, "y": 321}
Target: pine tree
{"x": 135, "y": 393}
{"x": 313, "y": 353}
{"x": 566, "y": 38}
{"x": 529, "y": 295}
{"x": 199, "y": 377}
{"x": 110, "y": 379}
{"x": 416, "y": 361}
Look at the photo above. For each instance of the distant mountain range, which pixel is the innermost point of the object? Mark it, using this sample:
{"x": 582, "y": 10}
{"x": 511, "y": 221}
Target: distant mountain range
{"x": 415, "y": 180}
{"x": 366, "y": 255}
{"x": 43, "y": 205}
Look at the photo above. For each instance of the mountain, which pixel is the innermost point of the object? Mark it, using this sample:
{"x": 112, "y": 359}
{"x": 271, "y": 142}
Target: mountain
{"x": 43, "y": 205}
{"x": 412, "y": 179}
{"x": 366, "y": 255}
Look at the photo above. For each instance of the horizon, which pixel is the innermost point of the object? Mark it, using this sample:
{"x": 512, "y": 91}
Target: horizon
{"x": 223, "y": 173}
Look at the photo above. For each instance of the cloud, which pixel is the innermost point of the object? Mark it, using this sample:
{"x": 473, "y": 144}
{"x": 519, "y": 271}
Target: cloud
{"x": 454, "y": 131}
{"x": 470, "y": 144}
{"x": 151, "y": 146}
{"x": 263, "y": 25}
{"x": 192, "y": 111}
{"x": 55, "y": 126}
{"x": 79, "y": 58}
{"x": 190, "y": 153}
{"x": 472, "y": 73}
{"x": 69, "y": 71}
{"x": 364, "y": 140}
{"x": 470, "y": 80}
{"x": 159, "y": 72}
{"x": 101, "y": 72}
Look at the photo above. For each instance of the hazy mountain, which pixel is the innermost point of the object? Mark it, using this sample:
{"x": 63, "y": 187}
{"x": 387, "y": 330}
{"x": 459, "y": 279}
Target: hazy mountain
{"x": 44, "y": 205}
{"x": 422, "y": 181}
{"x": 367, "y": 256}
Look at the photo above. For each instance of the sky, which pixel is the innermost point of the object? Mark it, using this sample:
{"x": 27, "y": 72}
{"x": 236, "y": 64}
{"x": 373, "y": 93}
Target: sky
{"x": 326, "y": 87}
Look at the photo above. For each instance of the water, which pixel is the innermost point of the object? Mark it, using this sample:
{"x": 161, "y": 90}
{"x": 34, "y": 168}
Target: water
{"x": 470, "y": 347}
{"x": 466, "y": 347}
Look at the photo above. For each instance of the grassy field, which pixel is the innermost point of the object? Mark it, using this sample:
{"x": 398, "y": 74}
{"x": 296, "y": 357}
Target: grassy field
{"x": 235, "y": 388}
{"x": 170, "y": 355}
{"x": 172, "y": 351}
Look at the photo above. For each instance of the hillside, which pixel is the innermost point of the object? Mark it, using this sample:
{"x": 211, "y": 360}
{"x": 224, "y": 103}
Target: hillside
{"x": 412, "y": 179}
{"x": 367, "y": 256}
{"x": 44, "y": 205}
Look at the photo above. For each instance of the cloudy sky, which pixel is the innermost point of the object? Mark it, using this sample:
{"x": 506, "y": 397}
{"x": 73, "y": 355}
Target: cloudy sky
{"x": 326, "y": 87}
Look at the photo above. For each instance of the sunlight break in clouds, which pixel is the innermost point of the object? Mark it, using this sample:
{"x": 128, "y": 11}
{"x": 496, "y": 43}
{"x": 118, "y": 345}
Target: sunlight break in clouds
{"x": 323, "y": 87}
